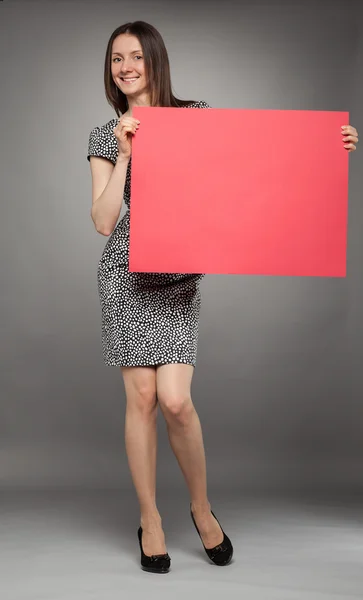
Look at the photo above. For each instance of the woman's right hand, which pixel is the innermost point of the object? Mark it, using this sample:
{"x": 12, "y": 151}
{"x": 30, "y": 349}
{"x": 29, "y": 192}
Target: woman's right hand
{"x": 125, "y": 129}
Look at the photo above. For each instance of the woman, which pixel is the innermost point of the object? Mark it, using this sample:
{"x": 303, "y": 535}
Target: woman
{"x": 149, "y": 320}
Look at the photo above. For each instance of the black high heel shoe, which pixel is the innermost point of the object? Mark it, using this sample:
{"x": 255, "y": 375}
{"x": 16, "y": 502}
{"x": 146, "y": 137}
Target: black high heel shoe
{"x": 220, "y": 555}
{"x": 157, "y": 563}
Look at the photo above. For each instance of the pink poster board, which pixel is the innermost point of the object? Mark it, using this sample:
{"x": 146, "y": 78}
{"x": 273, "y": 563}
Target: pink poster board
{"x": 261, "y": 192}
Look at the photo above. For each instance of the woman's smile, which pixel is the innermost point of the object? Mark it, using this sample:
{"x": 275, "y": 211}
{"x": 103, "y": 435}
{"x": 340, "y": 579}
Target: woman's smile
{"x": 129, "y": 80}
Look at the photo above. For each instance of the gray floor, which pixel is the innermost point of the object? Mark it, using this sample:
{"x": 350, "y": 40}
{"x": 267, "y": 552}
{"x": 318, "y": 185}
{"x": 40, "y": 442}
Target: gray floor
{"x": 72, "y": 546}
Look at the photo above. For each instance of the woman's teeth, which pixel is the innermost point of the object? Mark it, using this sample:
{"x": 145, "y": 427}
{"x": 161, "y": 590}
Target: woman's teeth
{"x": 128, "y": 79}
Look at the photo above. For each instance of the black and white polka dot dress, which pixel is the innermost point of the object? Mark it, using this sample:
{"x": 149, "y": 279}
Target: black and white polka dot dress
{"x": 147, "y": 318}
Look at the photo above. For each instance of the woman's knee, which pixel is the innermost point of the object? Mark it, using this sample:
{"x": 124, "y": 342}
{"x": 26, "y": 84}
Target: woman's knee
{"x": 176, "y": 407}
{"x": 140, "y": 388}
{"x": 173, "y": 384}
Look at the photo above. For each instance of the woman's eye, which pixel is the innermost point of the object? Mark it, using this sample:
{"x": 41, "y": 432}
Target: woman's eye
{"x": 117, "y": 58}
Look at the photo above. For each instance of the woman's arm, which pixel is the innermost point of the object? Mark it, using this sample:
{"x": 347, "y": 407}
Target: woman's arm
{"x": 108, "y": 183}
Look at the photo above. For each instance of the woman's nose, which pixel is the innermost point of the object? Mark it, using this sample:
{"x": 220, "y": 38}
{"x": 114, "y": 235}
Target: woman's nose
{"x": 126, "y": 66}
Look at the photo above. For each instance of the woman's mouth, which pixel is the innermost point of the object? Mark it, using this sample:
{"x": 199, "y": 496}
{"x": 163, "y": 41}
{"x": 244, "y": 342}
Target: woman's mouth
{"x": 129, "y": 79}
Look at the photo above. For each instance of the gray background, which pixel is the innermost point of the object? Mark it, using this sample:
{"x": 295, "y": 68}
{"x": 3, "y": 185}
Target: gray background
{"x": 278, "y": 384}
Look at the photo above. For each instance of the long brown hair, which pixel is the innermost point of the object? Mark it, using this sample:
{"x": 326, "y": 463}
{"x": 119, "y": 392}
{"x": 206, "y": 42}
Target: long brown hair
{"x": 156, "y": 64}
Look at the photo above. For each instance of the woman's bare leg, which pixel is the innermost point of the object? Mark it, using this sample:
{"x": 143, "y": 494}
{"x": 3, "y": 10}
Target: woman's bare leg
{"x": 173, "y": 383}
{"x": 141, "y": 448}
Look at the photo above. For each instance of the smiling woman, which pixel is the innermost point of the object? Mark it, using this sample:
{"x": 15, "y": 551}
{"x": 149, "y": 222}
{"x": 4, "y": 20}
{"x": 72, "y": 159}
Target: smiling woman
{"x": 137, "y": 62}
{"x": 149, "y": 320}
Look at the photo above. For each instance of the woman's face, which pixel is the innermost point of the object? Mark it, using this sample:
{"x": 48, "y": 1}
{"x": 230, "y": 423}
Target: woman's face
{"x": 127, "y": 65}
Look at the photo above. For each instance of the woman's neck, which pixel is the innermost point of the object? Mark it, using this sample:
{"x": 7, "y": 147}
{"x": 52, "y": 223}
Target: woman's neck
{"x": 132, "y": 102}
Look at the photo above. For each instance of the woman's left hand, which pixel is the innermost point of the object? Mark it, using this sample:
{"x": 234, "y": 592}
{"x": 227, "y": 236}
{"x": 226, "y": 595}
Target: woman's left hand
{"x": 350, "y": 137}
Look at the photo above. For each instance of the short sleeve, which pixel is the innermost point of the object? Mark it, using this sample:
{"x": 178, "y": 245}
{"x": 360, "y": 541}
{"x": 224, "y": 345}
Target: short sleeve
{"x": 198, "y": 104}
{"x": 102, "y": 142}
{"x": 202, "y": 104}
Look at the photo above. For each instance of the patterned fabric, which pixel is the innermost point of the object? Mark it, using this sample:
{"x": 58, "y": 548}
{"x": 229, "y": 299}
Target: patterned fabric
{"x": 147, "y": 318}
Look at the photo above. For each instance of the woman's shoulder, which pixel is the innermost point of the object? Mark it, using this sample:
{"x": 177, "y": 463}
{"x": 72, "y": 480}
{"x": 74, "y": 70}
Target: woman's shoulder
{"x": 199, "y": 104}
{"x": 105, "y": 129}
{"x": 102, "y": 141}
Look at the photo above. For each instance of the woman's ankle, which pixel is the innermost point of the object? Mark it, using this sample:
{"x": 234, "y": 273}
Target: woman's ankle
{"x": 150, "y": 518}
{"x": 200, "y": 506}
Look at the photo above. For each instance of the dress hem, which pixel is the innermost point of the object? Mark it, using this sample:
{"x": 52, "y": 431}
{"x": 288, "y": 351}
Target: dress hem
{"x": 151, "y": 364}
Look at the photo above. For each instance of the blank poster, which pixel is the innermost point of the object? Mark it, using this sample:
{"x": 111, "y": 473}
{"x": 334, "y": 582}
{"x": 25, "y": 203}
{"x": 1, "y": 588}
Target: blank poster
{"x": 261, "y": 192}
